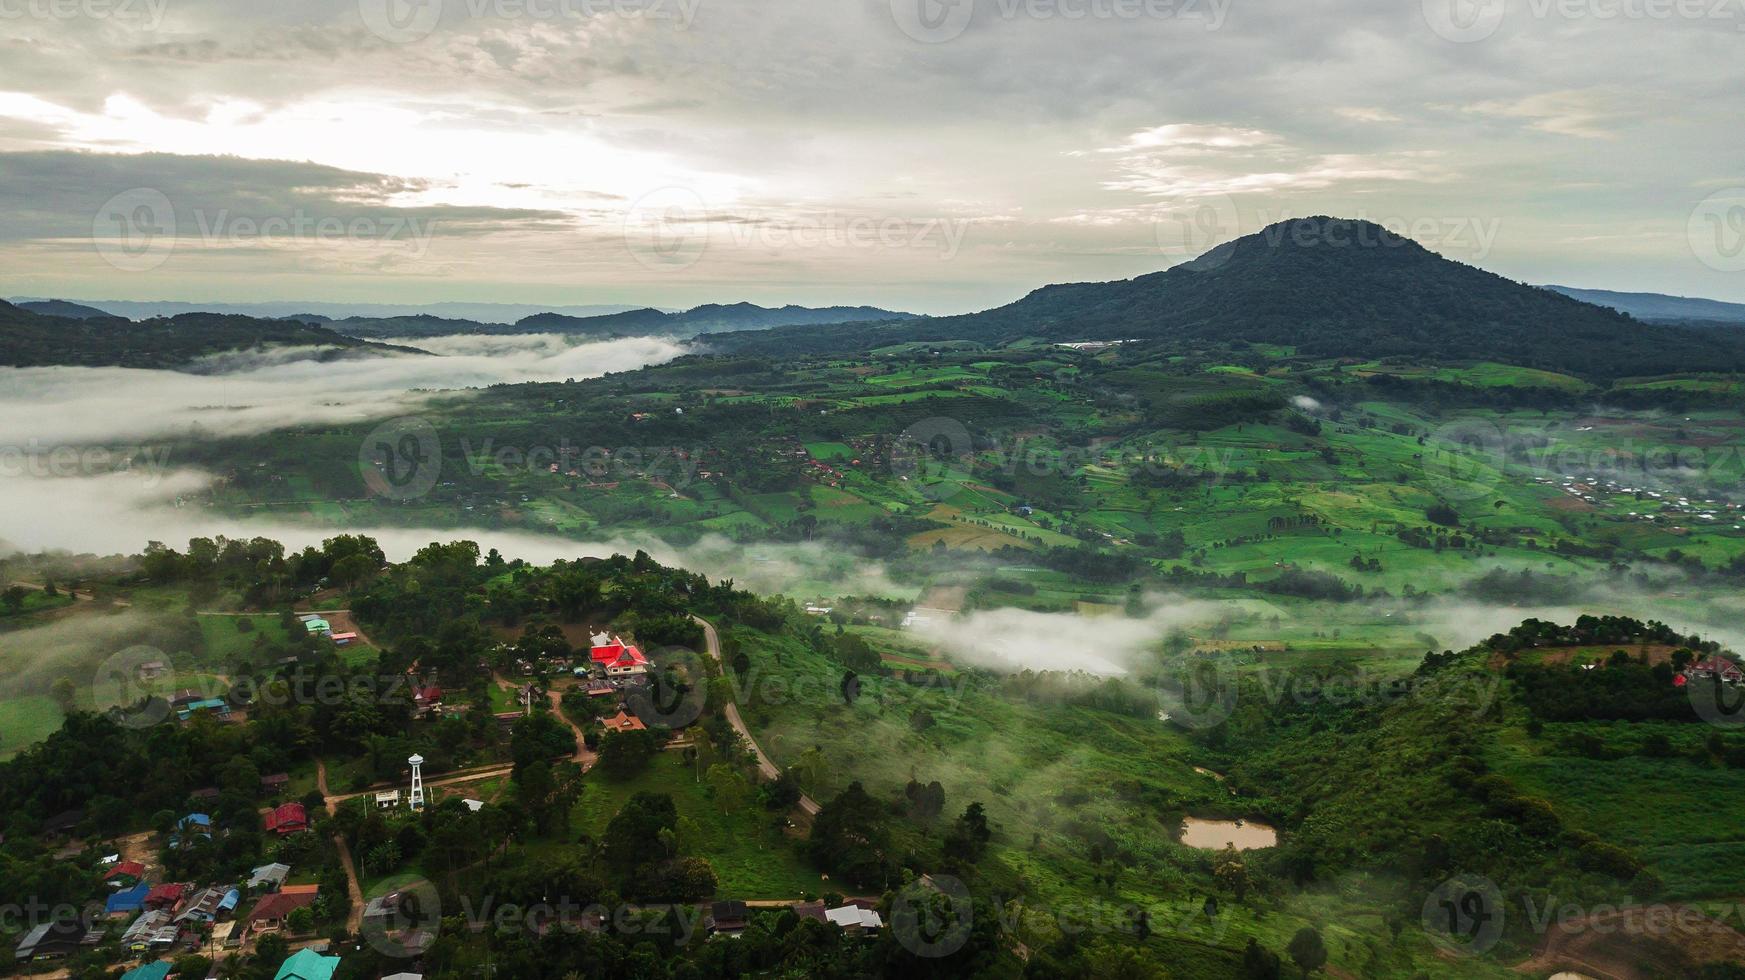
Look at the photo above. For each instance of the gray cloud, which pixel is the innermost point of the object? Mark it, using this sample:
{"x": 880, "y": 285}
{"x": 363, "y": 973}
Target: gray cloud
{"x": 790, "y": 107}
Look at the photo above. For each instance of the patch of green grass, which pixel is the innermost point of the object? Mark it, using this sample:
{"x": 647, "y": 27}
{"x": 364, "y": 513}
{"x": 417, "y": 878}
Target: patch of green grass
{"x": 24, "y": 720}
{"x": 752, "y": 857}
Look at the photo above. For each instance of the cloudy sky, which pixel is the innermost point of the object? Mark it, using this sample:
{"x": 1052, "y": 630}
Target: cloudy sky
{"x": 915, "y": 154}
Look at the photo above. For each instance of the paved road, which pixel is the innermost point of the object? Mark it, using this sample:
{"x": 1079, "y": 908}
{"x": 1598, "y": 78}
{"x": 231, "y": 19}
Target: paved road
{"x": 764, "y": 765}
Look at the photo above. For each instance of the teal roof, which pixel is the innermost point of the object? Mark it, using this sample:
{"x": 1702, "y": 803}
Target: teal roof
{"x": 306, "y": 964}
{"x": 150, "y": 971}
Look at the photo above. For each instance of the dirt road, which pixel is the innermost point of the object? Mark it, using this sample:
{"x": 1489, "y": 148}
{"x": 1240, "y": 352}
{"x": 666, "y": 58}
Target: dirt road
{"x": 731, "y": 710}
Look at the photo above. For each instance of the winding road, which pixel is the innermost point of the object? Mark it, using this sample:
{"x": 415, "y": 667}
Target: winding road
{"x": 731, "y": 710}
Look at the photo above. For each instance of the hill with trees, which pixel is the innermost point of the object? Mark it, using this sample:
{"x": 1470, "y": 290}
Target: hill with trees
{"x": 33, "y": 340}
{"x": 1322, "y": 286}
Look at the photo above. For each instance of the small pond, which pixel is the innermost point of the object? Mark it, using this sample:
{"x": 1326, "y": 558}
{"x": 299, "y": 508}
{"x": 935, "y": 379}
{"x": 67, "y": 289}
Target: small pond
{"x": 1215, "y": 835}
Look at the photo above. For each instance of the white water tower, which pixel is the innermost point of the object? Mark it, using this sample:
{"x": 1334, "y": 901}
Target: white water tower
{"x": 416, "y": 799}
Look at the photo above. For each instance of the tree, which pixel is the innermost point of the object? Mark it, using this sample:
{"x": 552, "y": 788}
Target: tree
{"x": 1231, "y": 871}
{"x": 1259, "y": 963}
{"x": 969, "y": 836}
{"x": 848, "y": 839}
{"x": 270, "y": 951}
{"x": 624, "y": 754}
{"x": 1307, "y": 950}
{"x": 728, "y": 787}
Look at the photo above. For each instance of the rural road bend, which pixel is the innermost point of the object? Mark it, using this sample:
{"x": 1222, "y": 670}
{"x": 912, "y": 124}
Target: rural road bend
{"x": 731, "y": 710}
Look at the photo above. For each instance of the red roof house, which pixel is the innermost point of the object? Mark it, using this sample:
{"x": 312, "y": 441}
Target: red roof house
{"x": 272, "y": 910}
{"x": 1715, "y": 665}
{"x": 124, "y": 871}
{"x": 629, "y": 661}
{"x": 164, "y": 896}
{"x": 288, "y": 818}
{"x": 607, "y": 652}
{"x": 623, "y": 721}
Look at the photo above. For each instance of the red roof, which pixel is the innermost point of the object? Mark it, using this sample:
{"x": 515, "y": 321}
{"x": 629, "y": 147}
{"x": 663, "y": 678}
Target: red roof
{"x": 288, "y": 818}
{"x": 166, "y": 894}
{"x": 607, "y": 653}
{"x": 431, "y": 693}
{"x": 282, "y": 903}
{"x": 132, "y": 869}
{"x": 1715, "y": 664}
{"x": 623, "y": 721}
{"x": 631, "y": 657}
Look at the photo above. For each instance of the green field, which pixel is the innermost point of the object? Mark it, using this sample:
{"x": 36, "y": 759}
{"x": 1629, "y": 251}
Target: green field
{"x": 751, "y": 856}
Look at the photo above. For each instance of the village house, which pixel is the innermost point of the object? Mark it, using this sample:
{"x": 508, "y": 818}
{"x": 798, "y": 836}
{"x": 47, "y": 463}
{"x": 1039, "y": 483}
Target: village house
{"x": 127, "y": 901}
{"x": 49, "y": 941}
{"x": 387, "y": 799}
{"x": 287, "y": 819}
{"x": 216, "y": 707}
{"x": 275, "y": 784}
{"x": 628, "y": 663}
{"x": 268, "y": 877}
{"x": 623, "y": 721}
{"x": 125, "y": 874}
{"x": 307, "y": 964}
{"x": 728, "y": 918}
{"x": 190, "y": 827}
{"x": 272, "y": 910}
{"x": 210, "y": 904}
{"x": 426, "y": 698}
{"x": 144, "y": 930}
{"x": 166, "y": 896}
{"x": 854, "y": 919}
{"x": 156, "y": 970}
{"x": 1715, "y": 665}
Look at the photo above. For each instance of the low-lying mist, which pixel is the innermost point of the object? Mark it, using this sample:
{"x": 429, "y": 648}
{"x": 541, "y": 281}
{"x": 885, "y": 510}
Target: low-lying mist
{"x": 246, "y": 392}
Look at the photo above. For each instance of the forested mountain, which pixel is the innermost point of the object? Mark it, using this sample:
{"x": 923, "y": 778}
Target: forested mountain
{"x": 1327, "y": 287}
{"x": 72, "y": 311}
{"x": 711, "y": 318}
{"x": 33, "y": 340}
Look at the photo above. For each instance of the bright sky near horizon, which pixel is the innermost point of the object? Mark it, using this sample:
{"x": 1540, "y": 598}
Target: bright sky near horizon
{"x": 928, "y": 155}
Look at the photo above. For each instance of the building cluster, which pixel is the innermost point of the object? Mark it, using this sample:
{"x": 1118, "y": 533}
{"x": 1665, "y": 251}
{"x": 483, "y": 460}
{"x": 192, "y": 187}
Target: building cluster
{"x": 858, "y": 917}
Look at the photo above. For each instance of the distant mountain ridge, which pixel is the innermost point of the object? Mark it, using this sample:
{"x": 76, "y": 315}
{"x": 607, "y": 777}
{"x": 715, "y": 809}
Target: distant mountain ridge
{"x": 709, "y": 318}
{"x": 1660, "y": 306}
{"x": 63, "y": 308}
{"x": 1326, "y": 287}
{"x": 29, "y": 339}
{"x": 498, "y": 313}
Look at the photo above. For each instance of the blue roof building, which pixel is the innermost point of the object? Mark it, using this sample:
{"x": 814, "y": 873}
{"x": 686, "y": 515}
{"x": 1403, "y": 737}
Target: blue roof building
{"x": 130, "y": 900}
